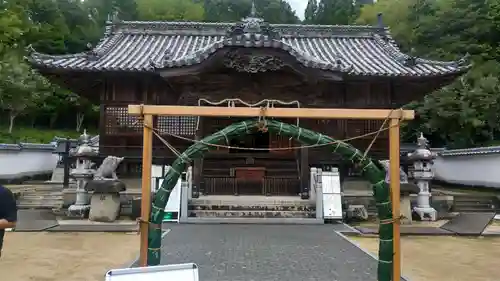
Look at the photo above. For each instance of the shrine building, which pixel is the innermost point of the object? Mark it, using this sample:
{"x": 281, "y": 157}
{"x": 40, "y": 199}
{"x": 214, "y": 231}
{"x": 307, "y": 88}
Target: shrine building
{"x": 246, "y": 63}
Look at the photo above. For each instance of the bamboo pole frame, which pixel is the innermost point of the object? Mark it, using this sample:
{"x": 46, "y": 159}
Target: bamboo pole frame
{"x": 395, "y": 116}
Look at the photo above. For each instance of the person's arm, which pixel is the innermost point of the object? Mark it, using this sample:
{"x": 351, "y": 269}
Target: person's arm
{"x": 10, "y": 207}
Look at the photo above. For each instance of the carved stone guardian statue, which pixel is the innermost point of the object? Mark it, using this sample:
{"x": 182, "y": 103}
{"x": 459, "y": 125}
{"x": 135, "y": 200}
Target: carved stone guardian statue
{"x": 105, "y": 201}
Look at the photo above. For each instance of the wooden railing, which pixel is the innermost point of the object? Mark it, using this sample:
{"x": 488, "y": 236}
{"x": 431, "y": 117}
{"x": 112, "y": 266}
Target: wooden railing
{"x": 268, "y": 186}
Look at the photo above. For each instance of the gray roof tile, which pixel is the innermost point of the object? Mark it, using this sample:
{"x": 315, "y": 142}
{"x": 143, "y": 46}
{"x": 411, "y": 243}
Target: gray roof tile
{"x": 471, "y": 151}
{"x": 150, "y": 46}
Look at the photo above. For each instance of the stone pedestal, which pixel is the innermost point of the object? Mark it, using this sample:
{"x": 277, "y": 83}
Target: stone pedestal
{"x": 426, "y": 213}
{"x": 405, "y": 202}
{"x": 105, "y": 200}
{"x": 405, "y": 205}
{"x": 104, "y": 207}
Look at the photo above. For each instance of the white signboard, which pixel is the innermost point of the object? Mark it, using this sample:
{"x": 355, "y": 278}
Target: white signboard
{"x": 157, "y": 172}
{"x": 173, "y": 272}
{"x": 332, "y": 195}
{"x": 174, "y": 201}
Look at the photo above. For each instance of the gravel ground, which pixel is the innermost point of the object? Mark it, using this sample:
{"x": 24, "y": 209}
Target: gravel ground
{"x": 46, "y": 256}
{"x": 445, "y": 258}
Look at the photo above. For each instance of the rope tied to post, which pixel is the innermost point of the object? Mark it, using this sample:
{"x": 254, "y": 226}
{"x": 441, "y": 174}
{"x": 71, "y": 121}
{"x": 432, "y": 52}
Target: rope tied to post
{"x": 262, "y": 124}
{"x": 152, "y": 226}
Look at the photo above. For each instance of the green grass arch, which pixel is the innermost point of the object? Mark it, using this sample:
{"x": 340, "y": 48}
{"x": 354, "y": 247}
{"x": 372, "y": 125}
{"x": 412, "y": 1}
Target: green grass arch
{"x": 370, "y": 171}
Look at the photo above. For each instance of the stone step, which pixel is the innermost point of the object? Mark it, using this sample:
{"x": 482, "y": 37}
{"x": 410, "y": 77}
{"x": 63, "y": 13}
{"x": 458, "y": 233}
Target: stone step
{"x": 253, "y": 214}
{"x": 239, "y": 207}
{"x": 54, "y": 198}
{"x": 474, "y": 204}
{"x": 474, "y": 198}
{"x": 251, "y": 201}
{"x": 40, "y": 205}
{"x": 475, "y": 210}
{"x": 45, "y": 193}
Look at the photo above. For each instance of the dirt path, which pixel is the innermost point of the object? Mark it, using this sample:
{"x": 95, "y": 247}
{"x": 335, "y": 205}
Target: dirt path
{"x": 445, "y": 258}
{"x": 65, "y": 256}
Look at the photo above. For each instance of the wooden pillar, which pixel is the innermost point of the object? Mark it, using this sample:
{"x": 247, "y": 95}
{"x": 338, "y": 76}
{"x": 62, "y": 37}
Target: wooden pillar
{"x": 304, "y": 173}
{"x": 394, "y": 148}
{"x": 198, "y": 165}
{"x": 147, "y": 154}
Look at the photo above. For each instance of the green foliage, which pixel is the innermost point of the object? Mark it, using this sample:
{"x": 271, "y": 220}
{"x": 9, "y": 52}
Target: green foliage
{"x": 170, "y": 10}
{"x": 273, "y": 11}
{"x": 460, "y": 115}
{"x": 34, "y": 135}
{"x": 465, "y": 113}
{"x": 311, "y": 11}
{"x": 329, "y": 12}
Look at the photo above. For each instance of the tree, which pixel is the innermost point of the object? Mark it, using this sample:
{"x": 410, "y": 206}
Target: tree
{"x": 13, "y": 26}
{"x": 463, "y": 114}
{"x": 395, "y": 15}
{"x": 273, "y": 11}
{"x": 82, "y": 107}
{"x": 331, "y": 12}
{"x": 170, "y": 10}
{"x": 311, "y": 11}
{"x": 21, "y": 88}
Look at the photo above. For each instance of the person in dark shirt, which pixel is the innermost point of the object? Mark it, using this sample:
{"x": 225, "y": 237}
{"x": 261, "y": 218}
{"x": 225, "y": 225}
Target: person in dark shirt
{"x": 8, "y": 212}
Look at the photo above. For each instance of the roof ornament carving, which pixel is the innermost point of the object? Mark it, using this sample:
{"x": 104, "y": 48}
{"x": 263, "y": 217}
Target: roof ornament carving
{"x": 113, "y": 16}
{"x": 91, "y": 52}
{"x": 253, "y": 25}
{"x": 251, "y": 63}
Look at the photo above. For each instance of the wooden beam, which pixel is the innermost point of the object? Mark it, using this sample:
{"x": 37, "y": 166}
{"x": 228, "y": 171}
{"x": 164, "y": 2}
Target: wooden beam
{"x": 147, "y": 154}
{"x": 313, "y": 113}
{"x": 394, "y": 173}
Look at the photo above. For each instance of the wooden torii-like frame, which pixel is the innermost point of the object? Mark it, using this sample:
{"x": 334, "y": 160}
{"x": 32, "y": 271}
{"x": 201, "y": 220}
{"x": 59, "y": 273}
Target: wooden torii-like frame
{"x": 146, "y": 112}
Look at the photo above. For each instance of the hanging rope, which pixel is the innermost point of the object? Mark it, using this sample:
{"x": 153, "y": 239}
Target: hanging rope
{"x": 159, "y": 132}
{"x": 269, "y": 103}
{"x": 367, "y": 150}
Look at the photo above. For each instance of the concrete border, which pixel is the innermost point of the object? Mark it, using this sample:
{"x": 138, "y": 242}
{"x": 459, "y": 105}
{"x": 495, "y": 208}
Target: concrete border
{"x": 403, "y": 278}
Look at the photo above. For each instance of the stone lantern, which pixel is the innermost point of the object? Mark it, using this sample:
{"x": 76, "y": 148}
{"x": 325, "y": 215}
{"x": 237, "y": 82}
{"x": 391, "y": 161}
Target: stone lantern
{"x": 82, "y": 173}
{"x": 422, "y": 159}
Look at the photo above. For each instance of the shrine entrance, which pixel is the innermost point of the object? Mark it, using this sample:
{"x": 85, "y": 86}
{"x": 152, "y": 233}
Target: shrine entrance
{"x": 258, "y": 140}
{"x": 387, "y": 199}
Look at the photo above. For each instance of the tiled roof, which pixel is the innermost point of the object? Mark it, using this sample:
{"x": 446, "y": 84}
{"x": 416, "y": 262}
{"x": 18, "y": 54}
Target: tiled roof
{"x": 153, "y": 46}
{"x": 27, "y": 146}
{"x": 471, "y": 151}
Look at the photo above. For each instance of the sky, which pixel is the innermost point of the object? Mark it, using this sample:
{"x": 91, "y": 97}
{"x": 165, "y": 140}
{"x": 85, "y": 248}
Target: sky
{"x": 299, "y": 6}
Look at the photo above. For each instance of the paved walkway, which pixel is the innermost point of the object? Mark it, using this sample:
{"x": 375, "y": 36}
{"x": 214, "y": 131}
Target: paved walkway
{"x": 267, "y": 252}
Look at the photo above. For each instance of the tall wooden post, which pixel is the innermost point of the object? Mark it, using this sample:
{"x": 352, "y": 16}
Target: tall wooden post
{"x": 394, "y": 170}
{"x": 147, "y": 154}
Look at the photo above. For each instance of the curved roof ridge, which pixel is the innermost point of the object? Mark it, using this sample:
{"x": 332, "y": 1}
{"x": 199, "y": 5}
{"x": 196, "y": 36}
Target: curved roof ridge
{"x": 33, "y": 55}
{"x": 104, "y": 46}
{"x": 221, "y": 27}
{"x": 389, "y": 45}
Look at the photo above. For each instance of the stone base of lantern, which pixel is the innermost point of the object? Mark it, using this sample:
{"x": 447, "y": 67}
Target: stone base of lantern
{"x": 78, "y": 211}
{"x": 104, "y": 207}
{"x": 105, "y": 200}
{"x": 405, "y": 208}
{"x": 426, "y": 213}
